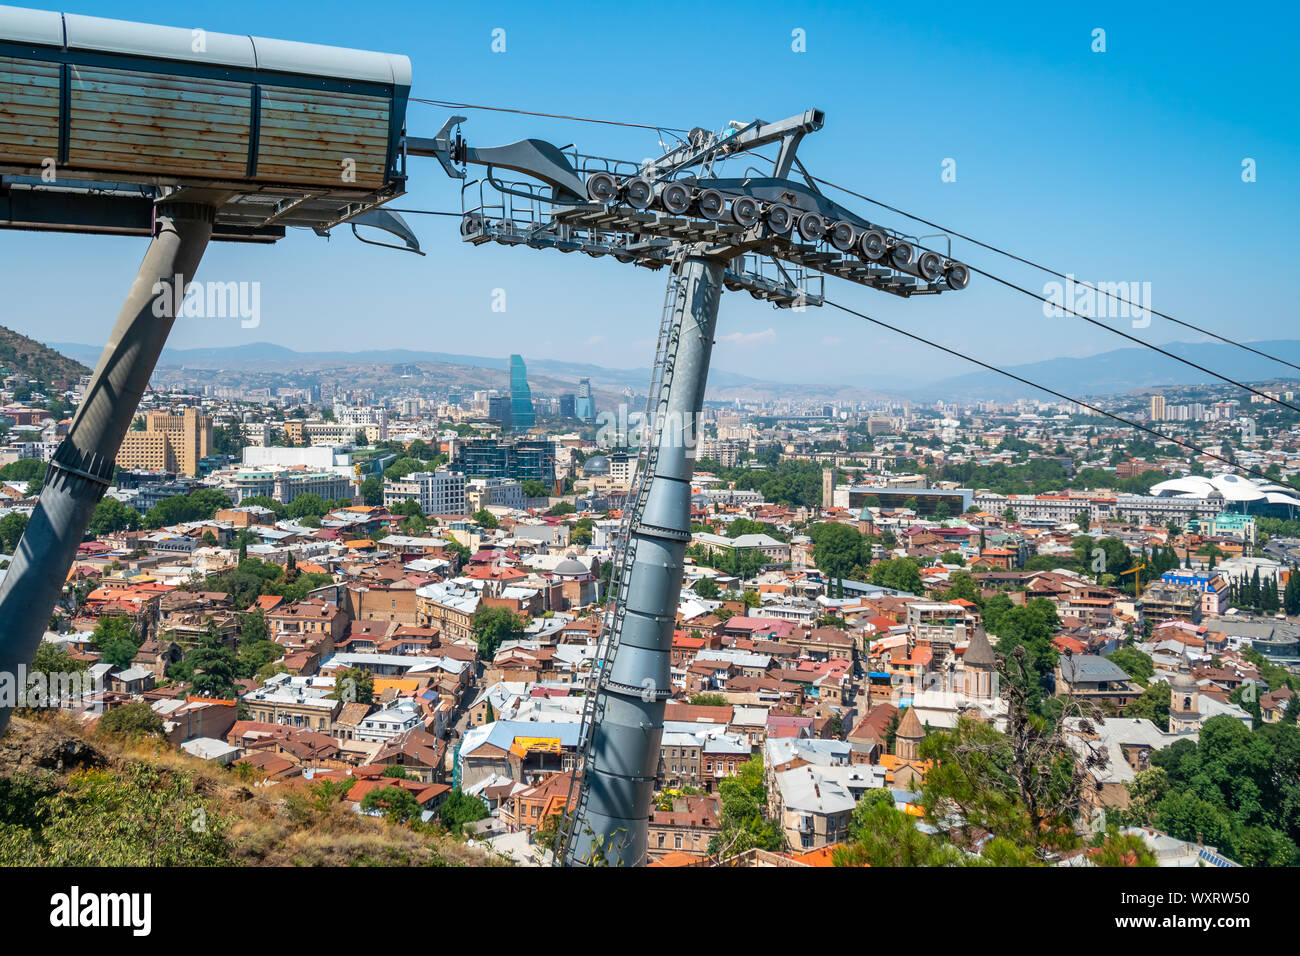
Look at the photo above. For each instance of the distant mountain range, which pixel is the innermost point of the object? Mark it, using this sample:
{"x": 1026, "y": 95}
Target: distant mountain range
{"x": 1123, "y": 370}
{"x": 1107, "y": 373}
{"x": 263, "y": 356}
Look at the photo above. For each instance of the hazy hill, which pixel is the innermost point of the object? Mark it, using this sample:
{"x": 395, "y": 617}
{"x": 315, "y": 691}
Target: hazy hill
{"x": 472, "y": 371}
{"x": 1123, "y": 370}
{"x": 20, "y": 355}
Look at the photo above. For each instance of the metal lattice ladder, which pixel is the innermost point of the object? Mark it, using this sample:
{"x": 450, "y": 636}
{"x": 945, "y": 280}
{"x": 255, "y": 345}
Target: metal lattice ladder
{"x": 670, "y": 328}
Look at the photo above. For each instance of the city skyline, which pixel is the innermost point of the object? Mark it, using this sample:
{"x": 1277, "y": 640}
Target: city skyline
{"x": 1091, "y": 211}
{"x": 335, "y": 556}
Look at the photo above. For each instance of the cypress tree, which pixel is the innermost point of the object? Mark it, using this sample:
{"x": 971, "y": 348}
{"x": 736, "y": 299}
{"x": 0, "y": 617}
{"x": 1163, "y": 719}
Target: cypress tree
{"x": 1291, "y": 598}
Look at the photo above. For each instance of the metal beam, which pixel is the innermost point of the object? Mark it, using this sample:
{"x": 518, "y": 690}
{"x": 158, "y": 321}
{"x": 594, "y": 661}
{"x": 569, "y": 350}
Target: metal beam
{"x": 614, "y": 828}
{"x": 82, "y": 468}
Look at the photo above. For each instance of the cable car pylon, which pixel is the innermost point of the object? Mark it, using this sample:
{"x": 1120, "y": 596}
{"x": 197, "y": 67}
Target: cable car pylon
{"x": 774, "y": 237}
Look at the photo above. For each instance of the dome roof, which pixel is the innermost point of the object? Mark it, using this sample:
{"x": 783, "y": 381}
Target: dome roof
{"x": 571, "y": 567}
{"x": 595, "y": 465}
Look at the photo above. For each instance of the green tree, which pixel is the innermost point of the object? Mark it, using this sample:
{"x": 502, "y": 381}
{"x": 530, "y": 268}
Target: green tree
{"x": 1114, "y": 848}
{"x": 492, "y": 625}
{"x": 354, "y": 685}
{"x": 130, "y": 722}
{"x": 1027, "y": 785}
{"x": 882, "y": 835}
{"x": 707, "y": 588}
{"x": 460, "y": 808}
{"x": 12, "y": 527}
{"x": 741, "y": 820}
{"x": 213, "y": 666}
{"x": 1291, "y": 599}
{"x": 485, "y": 519}
{"x": 1137, "y": 665}
{"x": 535, "y": 489}
{"x": 133, "y": 815}
{"x": 1189, "y": 817}
{"x": 198, "y": 505}
{"x": 837, "y": 548}
{"x": 901, "y": 574}
{"x": 395, "y": 804}
{"x": 116, "y": 641}
{"x": 372, "y": 491}
{"x": 308, "y": 504}
{"x": 1146, "y": 791}
{"x": 709, "y": 700}
{"x": 111, "y": 516}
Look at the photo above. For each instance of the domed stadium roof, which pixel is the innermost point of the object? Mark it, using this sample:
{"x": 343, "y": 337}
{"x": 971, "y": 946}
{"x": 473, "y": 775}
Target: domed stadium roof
{"x": 595, "y": 466}
{"x": 1231, "y": 487}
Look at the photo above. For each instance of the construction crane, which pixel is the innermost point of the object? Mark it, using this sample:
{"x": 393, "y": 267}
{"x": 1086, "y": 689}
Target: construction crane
{"x": 775, "y": 236}
{"x": 1136, "y": 571}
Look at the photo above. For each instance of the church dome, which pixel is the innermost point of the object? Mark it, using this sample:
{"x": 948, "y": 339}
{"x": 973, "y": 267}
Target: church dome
{"x": 571, "y": 567}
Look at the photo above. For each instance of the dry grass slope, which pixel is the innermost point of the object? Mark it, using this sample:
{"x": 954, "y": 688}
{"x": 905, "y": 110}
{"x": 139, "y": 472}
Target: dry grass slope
{"x": 285, "y": 825}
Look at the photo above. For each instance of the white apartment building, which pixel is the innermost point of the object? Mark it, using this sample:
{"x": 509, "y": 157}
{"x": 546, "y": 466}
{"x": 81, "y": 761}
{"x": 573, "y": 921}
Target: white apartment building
{"x": 1148, "y": 509}
{"x": 725, "y": 453}
{"x": 256, "y": 433}
{"x": 392, "y": 720}
{"x": 494, "y": 492}
{"x": 440, "y": 492}
{"x": 361, "y": 416}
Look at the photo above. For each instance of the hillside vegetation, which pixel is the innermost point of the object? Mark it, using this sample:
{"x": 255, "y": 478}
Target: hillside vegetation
{"x": 69, "y": 799}
{"x": 20, "y": 355}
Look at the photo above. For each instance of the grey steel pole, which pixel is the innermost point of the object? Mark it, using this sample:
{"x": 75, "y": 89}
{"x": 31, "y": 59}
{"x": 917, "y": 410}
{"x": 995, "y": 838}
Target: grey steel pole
{"x": 625, "y": 743}
{"x": 82, "y": 467}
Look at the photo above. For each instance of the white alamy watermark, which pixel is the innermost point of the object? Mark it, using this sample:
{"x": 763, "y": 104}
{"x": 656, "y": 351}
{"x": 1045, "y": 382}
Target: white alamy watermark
{"x": 208, "y": 300}
{"x": 950, "y": 690}
{"x": 76, "y": 909}
{"x": 28, "y": 688}
{"x": 622, "y": 428}
{"x": 1099, "y": 300}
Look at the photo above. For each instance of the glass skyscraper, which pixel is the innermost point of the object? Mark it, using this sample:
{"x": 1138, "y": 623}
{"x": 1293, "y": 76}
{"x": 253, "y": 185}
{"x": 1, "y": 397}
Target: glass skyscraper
{"x": 583, "y": 407}
{"x": 521, "y": 396}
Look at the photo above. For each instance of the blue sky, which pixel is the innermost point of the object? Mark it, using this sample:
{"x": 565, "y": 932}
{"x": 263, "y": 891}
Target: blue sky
{"x": 1116, "y": 166}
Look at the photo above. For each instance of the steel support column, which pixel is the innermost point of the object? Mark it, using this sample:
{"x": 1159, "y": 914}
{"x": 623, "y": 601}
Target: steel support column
{"x": 625, "y": 743}
{"x": 82, "y": 467}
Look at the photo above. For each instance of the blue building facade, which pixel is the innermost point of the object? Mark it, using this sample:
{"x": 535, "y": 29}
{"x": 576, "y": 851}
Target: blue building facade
{"x": 522, "y": 417}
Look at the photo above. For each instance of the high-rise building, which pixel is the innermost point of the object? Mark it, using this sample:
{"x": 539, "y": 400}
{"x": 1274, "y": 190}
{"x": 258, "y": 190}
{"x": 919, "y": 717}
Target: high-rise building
{"x": 521, "y": 396}
{"x": 1157, "y": 408}
{"x": 584, "y": 408}
{"x": 168, "y": 443}
{"x": 499, "y": 411}
{"x": 567, "y": 406}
